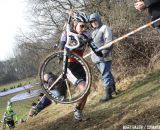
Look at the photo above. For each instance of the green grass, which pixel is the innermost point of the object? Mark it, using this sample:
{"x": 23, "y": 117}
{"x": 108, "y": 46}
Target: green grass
{"x": 20, "y": 107}
{"x": 15, "y": 84}
{"x": 138, "y": 105}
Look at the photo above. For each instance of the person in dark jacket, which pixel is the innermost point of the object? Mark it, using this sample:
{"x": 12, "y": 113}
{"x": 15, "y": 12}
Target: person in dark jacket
{"x": 58, "y": 91}
{"x": 153, "y": 7}
{"x": 44, "y": 101}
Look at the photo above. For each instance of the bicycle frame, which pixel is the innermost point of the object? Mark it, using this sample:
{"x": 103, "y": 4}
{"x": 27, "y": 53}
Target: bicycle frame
{"x": 68, "y": 47}
{"x": 64, "y": 73}
{"x": 65, "y": 63}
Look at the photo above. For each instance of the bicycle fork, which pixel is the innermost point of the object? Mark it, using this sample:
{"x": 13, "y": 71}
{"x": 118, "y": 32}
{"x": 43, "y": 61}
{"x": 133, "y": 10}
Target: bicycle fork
{"x": 65, "y": 64}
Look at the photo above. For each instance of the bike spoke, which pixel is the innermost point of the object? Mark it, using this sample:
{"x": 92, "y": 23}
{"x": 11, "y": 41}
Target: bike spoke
{"x": 68, "y": 88}
{"x": 55, "y": 82}
{"x": 72, "y": 94}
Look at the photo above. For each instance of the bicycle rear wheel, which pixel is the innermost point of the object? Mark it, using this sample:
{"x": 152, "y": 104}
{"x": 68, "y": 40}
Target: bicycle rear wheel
{"x": 54, "y": 63}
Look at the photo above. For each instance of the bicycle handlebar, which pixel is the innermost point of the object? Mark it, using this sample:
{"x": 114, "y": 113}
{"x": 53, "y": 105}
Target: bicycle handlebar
{"x": 71, "y": 36}
{"x": 69, "y": 19}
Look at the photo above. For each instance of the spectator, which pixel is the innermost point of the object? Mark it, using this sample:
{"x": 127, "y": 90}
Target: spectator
{"x": 102, "y": 35}
{"x": 153, "y": 7}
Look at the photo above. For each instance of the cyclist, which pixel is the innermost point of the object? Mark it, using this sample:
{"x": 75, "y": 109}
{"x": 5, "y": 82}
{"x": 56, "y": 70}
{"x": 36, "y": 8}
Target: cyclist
{"x": 9, "y": 116}
{"x": 153, "y": 7}
{"x": 78, "y": 26}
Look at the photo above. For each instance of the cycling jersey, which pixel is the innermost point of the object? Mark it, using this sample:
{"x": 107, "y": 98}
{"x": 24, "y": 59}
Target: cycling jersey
{"x": 9, "y": 116}
{"x": 83, "y": 39}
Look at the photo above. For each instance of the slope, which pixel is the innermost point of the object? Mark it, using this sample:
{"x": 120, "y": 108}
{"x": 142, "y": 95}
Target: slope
{"x": 138, "y": 106}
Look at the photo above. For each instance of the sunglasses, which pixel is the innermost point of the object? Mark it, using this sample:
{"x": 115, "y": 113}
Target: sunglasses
{"x": 93, "y": 21}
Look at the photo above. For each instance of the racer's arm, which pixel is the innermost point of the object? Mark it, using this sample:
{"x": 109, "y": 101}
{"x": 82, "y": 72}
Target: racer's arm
{"x": 92, "y": 45}
{"x": 94, "y": 48}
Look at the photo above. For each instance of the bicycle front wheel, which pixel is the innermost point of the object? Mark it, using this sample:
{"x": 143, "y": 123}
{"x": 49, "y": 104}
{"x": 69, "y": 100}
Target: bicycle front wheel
{"x": 54, "y": 63}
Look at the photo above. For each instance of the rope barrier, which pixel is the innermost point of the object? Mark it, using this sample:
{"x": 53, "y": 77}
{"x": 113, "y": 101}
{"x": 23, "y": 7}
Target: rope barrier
{"x": 123, "y": 37}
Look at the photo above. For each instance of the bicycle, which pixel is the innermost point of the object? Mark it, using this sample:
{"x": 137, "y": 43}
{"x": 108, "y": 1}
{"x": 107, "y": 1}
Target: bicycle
{"x": 57, "y": 63}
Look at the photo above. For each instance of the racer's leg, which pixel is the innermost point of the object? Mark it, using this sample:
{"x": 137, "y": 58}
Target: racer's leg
{"x": 79, "y": 105}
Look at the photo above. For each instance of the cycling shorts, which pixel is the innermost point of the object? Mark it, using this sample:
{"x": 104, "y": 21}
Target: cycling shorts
{"x": 78, "y": 72}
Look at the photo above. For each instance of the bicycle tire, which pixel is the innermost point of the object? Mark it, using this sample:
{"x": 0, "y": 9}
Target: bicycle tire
{"x": 50, "y": 64}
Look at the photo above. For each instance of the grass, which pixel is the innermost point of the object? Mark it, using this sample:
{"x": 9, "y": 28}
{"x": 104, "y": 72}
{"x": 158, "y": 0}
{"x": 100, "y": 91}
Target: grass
{"x": 21, "y": 107}
{"x": 138, "y": 105}
{"x": 15, "y": 84}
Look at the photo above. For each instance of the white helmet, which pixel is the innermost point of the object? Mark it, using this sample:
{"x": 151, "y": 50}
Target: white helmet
{"x": 80, "y": 17}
